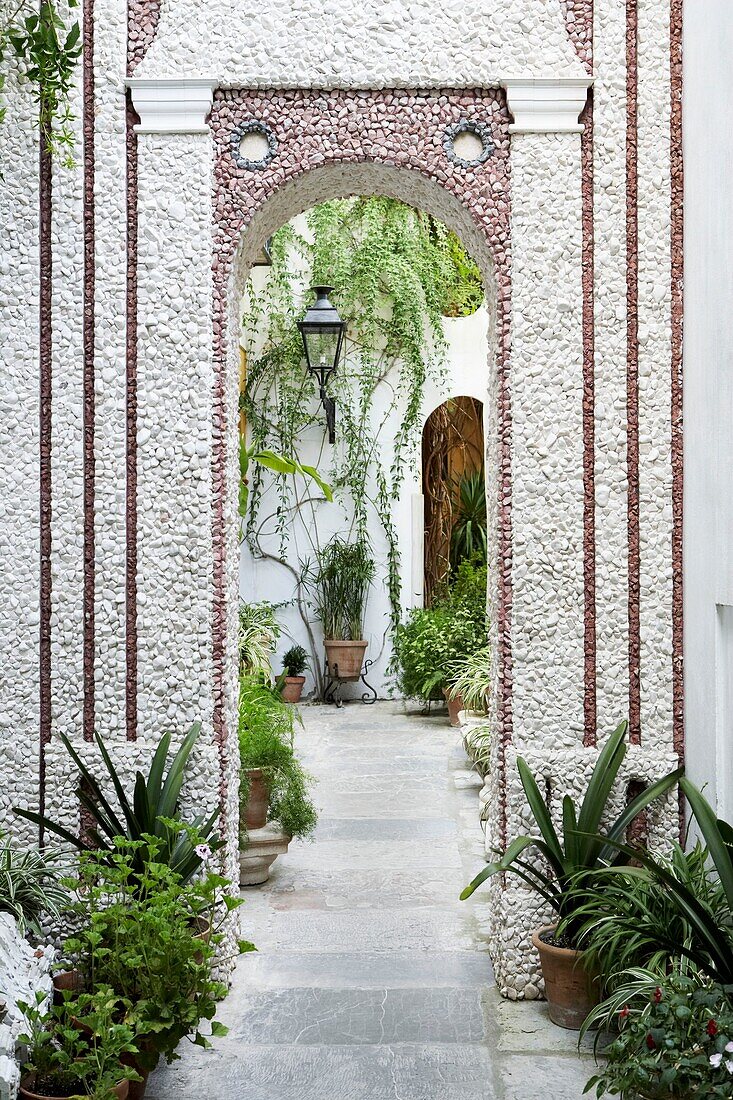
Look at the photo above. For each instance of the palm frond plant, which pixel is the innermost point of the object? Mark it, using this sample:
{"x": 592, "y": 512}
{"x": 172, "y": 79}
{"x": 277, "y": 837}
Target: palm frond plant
{"x": 258, "y": 634}
{"x": 30, "y": 884}
{"x": 568, "y": 861}
{"x": 153, "y": 810}
{"x": 468, "y": 534}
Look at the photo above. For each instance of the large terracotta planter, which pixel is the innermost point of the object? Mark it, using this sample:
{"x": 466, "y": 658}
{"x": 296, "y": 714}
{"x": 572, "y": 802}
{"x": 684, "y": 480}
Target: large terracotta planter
{"x": 570, "y": 990}
{"x": 345, "y": 659}
{"x": 26, "y": 1091}
{"x": 292, "y": 689}
{"x": 455, "y": 706}
{"x": 255, "y": 812}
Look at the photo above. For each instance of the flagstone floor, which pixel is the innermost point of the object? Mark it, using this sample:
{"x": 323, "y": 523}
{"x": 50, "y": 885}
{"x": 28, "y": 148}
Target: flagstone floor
{"x": 372, "y": 981}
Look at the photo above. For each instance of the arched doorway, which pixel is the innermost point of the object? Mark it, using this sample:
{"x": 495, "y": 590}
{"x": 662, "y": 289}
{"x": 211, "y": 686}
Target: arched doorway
{"x": 453, "y": 489}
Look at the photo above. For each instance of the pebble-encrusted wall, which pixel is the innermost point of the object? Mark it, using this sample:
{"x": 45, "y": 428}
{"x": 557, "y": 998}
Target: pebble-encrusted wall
{"x": 120, "y": 290}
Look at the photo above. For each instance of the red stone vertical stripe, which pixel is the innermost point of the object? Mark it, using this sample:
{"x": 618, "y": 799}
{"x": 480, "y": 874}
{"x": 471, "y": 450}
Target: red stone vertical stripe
{"x": 632, "y": 372}
{"x": 88, "y": 369}
{"x": 589, "y": 442}
{"x": 677, "y": 436}
{"x": 131, "y": 432}
{"x": 45, "y": 259}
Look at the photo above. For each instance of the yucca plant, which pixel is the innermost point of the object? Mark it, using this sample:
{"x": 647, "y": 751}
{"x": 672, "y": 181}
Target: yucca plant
{"x": 153, "y": 811}
{"x": 581, "y": 851}
{"x": 30, "y": 885}
{"x": 468, "y": 535}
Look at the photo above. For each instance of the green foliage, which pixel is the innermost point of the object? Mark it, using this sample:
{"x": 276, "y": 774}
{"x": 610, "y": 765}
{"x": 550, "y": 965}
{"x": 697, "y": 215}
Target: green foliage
{"x": 675, "y": 1040}
{"x": 470, "y": 678}
{"x": 295, "y": 661}
{"x": 395, "y": 271}
{"x": 266, "y": 740}
{"x": 39, "y": 38}
{"x": 258, "y": 634}
{"x": 468, "y": 534}
{"x": 154, "y": 810}
{"x": 30, "y": 885}
{"x": 75, "y": 1048}
{"x": 431, "y": 641}
{"x": 340, "y": 583}
{"x": 279, "y": 464}
{"x": 702, "y": 905}
{"x": 150, "y": 938}
{"x": 626, "y": 920}
{"x": 581, "y": 852}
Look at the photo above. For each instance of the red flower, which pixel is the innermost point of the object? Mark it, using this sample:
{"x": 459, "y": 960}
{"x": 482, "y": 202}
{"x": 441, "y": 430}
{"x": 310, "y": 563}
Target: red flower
{"x": 657, "y": 995}
{"x": 624, "y": 1012}
{"x": 712, "y": 1028}
{"x": 650, "y": 1042}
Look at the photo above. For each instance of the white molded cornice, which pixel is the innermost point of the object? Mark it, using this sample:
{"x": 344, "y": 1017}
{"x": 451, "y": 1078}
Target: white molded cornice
{"x": 546, "y": 105}
{"x": 172, "y": 105}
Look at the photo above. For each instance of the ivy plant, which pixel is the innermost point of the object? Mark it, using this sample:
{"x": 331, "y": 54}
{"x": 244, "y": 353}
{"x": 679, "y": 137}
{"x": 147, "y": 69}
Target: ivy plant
{"x": 397, "y": 272}
{"x": 48, "y": 49}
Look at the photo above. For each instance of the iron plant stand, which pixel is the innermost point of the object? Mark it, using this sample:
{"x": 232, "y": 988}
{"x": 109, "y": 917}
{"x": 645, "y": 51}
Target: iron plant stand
{"x": 332, "y": 688}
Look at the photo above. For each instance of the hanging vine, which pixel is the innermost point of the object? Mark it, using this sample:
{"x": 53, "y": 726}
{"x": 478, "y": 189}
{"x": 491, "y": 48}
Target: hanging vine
{"x": 48, "y": 49}
{"x": 397, "y": 272}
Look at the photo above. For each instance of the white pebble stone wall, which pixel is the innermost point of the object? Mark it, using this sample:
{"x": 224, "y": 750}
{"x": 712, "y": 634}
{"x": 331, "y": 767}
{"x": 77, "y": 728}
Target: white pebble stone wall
{"x": 24, "y": 972}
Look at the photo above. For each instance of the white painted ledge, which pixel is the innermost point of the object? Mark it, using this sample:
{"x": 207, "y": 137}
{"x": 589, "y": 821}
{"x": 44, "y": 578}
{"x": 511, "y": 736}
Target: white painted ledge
{"x": 172, "y": 106}
{"x": 546, "y": 105}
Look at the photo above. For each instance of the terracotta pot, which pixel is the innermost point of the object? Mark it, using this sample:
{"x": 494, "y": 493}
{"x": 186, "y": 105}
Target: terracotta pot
{"x": 570, "y": 990}
{"x": 258, "y": 802}
{"x": 345, "y": 659}
{"x": 454, "y": 707}
{"x": 137, "y": 1088}
{"x": 25, "y": 1092}
{"x": 66, "y": 981}
{"x": 293, "y": 689}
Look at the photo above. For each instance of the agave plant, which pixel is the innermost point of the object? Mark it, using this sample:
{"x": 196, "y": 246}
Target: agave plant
{"x": 153, "y": 811}
{"x": 581, "y": 851}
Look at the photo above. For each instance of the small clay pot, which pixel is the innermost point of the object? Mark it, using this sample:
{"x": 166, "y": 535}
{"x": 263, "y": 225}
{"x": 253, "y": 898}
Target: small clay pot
{"x": 345, "y": 659}
{"x": 137, "y": 1088}
{"x": 570, "y": 990}
{"x": 258, "y": 801}
{"x": 455, "y": 706}
{"x": 292, "y": 689}
{"x": 121, "y": 1091}
{"x": 66, "y": 981}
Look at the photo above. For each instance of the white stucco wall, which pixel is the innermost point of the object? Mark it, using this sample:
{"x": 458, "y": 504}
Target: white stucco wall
{"x": 708, "y": 397}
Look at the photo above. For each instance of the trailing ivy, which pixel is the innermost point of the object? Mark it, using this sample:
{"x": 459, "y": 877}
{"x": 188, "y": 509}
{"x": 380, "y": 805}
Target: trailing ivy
{"x": 49, "y": 50}
{"x": 397, "y": 272}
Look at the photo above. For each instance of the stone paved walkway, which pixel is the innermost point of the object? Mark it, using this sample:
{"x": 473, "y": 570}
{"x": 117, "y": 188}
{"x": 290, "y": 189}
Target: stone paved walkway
{"x": 372, "y": 981}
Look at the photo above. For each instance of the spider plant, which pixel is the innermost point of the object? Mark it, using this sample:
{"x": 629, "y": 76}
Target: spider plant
{"x": 581, "y": 851}
{"x": 30, "y": 885}
{"x": 258, "y": 635}
{"x": 153, "y": 810}
{"x": 471, "y": 679}
{"x": 702, "y": 905}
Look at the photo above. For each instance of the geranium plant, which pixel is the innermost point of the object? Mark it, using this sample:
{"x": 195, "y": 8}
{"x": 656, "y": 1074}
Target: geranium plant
{"x": 675, "y": 1040}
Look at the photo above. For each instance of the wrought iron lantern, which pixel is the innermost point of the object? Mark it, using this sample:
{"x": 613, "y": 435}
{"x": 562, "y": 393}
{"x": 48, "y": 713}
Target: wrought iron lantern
{"x": 322, "y": 331}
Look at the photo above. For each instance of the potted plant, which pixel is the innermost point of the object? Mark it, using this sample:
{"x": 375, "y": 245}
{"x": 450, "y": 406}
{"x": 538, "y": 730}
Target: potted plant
{"x": 674, "y": 1042}
{"x": 128, "y": 914}
{"x": 434, "y": 640}
{"x": 470, "y": 678}
{"x": 295, "y": 662}
{"x": 76, "y": 1048}
{"x": 571, "y": 989}
{"x": 344, "y": 572}
{"x": 273, "y": 795}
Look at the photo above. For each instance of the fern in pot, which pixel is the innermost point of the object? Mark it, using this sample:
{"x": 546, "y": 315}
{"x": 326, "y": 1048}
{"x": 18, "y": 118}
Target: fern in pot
{"x": 343, "y": 575}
